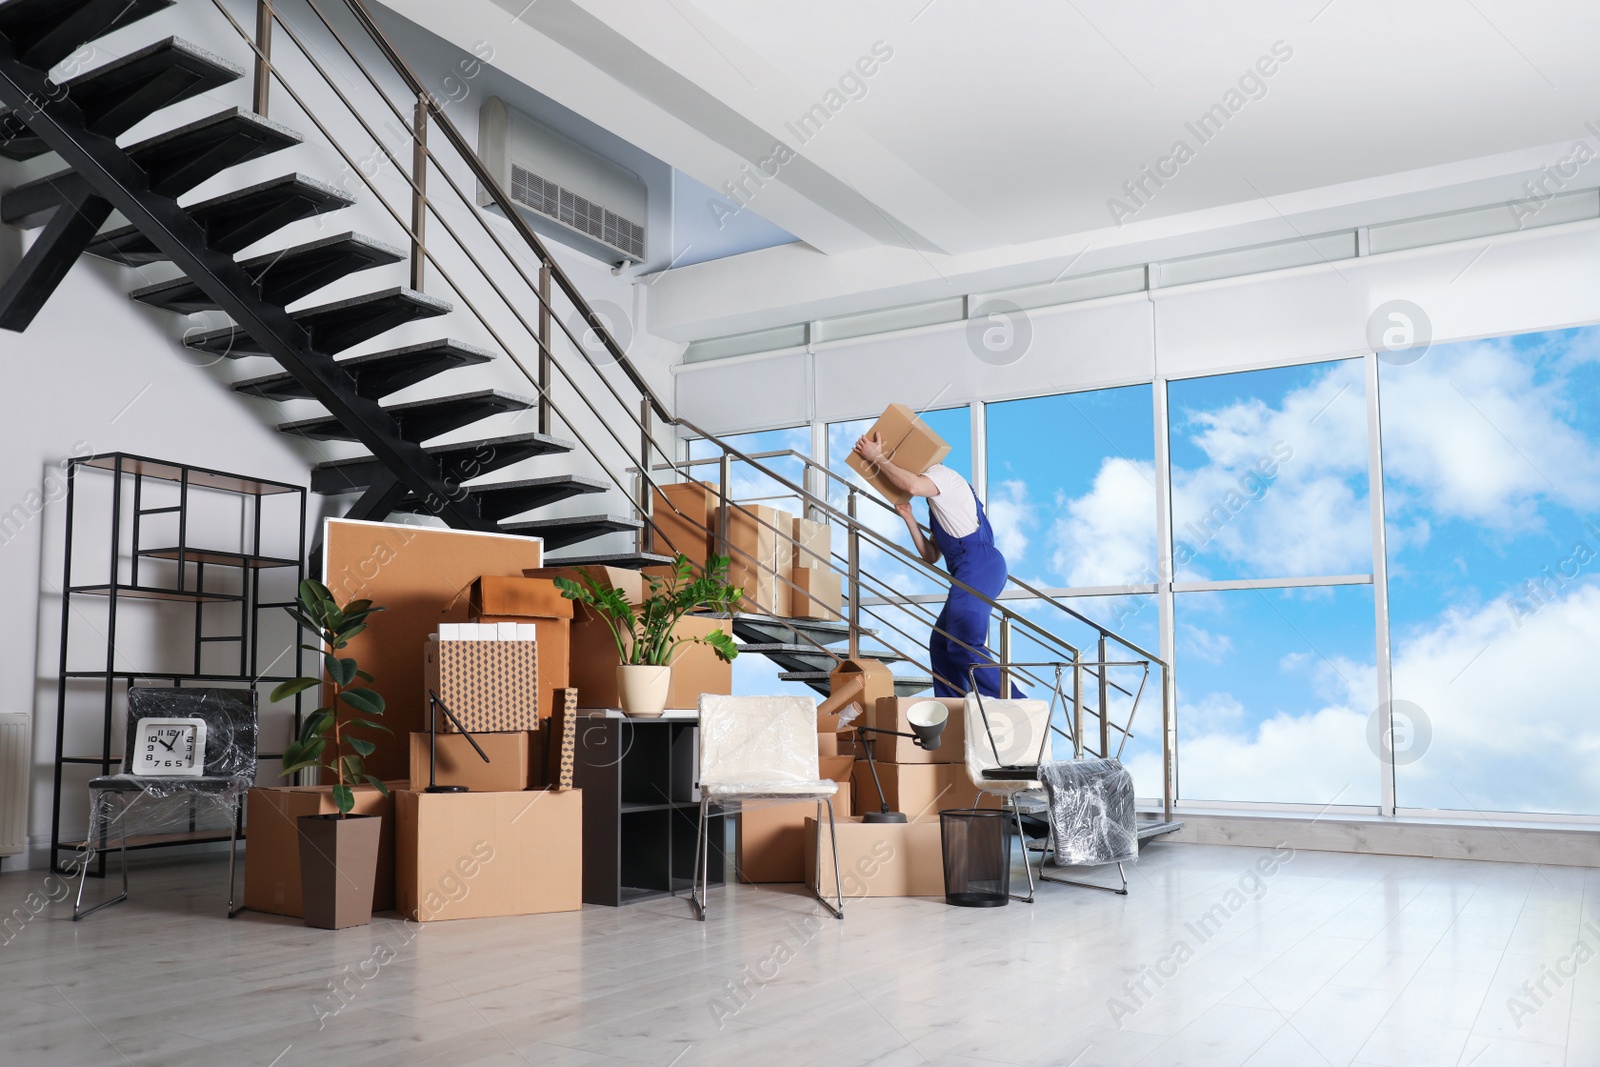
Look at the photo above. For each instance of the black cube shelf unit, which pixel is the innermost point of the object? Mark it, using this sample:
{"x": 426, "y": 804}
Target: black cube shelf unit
{"x": 640, "y": 812}
{"x": 165, "y": 523}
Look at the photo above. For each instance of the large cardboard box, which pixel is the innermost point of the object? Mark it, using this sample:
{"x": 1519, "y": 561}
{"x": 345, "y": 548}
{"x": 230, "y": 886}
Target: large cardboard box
{"x": 761, "y": 548}
{"x": 491, "y": 686}
{"x": 535, "y": 600}
{"x": 685, "y": 517}
{"x": 816, "y": 594}
{"x": 813, "y": 544}
{"x": 919, "y": 790}
{"x": 889, "y": 713}
{"x": 908, "y": 442}
{"x": 272, "y": 843}
{"x": 475, "y": 855}
{"x": 510, "y": 767}
{"x": 771, "y": 845}
{"x": 878, "y": 859}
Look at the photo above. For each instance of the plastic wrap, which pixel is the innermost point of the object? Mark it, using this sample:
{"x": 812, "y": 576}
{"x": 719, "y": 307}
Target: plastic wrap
{"x": 1018, "y": 727}
{"x": 144, "y": 805}
{"x": 760, "y": 747}
{"x": 1091, "y": 812}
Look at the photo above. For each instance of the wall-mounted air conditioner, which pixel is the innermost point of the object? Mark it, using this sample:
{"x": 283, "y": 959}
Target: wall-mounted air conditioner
{"x": 562, "y": 189}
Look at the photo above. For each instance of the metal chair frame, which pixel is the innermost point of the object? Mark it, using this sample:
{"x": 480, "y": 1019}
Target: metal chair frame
{"x": 701, "y": 886}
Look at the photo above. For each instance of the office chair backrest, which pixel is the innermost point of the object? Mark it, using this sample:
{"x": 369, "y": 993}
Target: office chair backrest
{"x": 230, "y": 718}
{"x": 751, "y": 740}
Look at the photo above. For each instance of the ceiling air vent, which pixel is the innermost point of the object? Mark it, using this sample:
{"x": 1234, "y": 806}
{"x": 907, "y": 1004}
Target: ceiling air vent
{"x": 564, "y": 191}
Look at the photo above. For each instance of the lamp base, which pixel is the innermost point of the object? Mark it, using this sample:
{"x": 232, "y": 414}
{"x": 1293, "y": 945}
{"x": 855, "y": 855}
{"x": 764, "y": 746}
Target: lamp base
{"x": 446, "y": 789}
{"x": 883, "y": 816}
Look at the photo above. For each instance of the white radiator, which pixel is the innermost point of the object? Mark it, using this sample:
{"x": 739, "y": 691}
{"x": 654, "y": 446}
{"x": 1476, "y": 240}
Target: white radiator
{"x": 16, "y": 760}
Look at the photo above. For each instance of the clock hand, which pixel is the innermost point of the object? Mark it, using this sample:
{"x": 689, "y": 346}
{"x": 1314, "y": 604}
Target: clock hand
{"x": 169, "y": 748}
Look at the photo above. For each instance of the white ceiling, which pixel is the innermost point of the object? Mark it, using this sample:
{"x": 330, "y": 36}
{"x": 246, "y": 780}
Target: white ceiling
{"x": 994, "y": 137}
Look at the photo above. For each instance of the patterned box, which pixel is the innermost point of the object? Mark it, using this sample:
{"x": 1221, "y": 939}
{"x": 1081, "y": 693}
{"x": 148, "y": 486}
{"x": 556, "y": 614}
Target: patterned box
{"x": 491, "y": 686}
{"x": 562, "y": 742}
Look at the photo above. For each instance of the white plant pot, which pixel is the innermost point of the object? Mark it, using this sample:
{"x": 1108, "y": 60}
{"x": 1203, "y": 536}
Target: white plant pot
{"x": 643, "y": 690}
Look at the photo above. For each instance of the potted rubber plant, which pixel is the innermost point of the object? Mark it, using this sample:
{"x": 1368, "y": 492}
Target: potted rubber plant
{"x": 645, "y": 632}
{"x": 338, "y": 853}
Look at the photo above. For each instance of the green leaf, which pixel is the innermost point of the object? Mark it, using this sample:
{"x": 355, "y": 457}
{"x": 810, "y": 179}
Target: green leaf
{"x": 293, "y": 686}
{"x": 377, "y": 783}
{"x": 365, "y": 677}
{"x": 305, "y": 621}
{"x": 316, "y": 723}
{"x": 342, "y": 671}
{"x": 362, "y": 746}
{"x": 344, "y": 638}
{"x": 344, "y": 798}
{"x": 363, "y": 700}
{"x": 370, "y": 725}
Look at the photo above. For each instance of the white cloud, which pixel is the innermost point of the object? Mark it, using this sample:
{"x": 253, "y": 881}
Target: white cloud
{"x": 1108, "y": 535}
{"x": 1012, "y": 515}
{"x": 1205, "y": 645}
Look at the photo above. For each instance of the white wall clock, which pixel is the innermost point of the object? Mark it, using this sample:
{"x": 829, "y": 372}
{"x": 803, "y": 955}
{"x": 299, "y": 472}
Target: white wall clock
{"x": 170, "y": 748}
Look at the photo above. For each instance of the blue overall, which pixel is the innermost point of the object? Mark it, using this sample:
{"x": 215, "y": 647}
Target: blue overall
{"x": 961, "y": 634}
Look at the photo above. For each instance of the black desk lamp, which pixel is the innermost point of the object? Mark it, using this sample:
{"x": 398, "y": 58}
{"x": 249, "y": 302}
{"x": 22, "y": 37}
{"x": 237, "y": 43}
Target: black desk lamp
{"x": 433, "y": 744}
{"x": 928, "y": 719}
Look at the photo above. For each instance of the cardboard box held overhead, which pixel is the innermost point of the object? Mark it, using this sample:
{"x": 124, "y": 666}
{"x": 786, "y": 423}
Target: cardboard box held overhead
{"x": 908, "y": 442}
{"x": 685, "y": 517}
{"x": 761, "y": 548}
{"x": 475, "y": 855}
{"x": 535, "y": 600}
{"x": 272, "y": 855}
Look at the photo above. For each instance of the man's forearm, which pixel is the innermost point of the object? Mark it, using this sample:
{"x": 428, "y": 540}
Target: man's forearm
{"x": 904, "y": 480}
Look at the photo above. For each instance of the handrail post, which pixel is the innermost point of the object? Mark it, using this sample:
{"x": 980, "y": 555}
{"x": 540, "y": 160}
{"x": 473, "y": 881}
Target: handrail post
{"x": 1169, "y": 744}
{"x": 646, "y": 498}
{"x": 1005, "y": 655}
{"x": 419, "y": 196}
{"x": 1077, "y": 704}
{"x": 855, "y": 578}
{"x": 725, "y": 479}
{"x": 1105, "y": 699}
{"x": 263, "y": 86}
{"x": 544, "y": 347}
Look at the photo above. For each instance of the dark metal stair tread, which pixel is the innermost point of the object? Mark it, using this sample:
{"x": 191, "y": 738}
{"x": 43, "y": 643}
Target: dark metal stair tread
{"x": 233, "y": 220}
{"x": 286, "y": 275}
{"x": 632, "y": 561}
{"x": 461, "y": 409}
{"x": 361, "y": 318}
{"x": 904, "y": 684}
{"x": 769, "y": 647}
{"x": 175, "y": 161}
{"x": 116, "y": 96}
{"x": 47, "y": 31}
{"x": 394, "y": 369}
{"x": 459, "y": 459}
{"x": 568, "y": 530}
{"x": 749, "y": 626}
{"x": 502, "y": 500}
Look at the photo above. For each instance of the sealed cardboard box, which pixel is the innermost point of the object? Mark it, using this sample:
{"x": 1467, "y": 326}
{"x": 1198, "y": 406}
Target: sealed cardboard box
{"x": 272, "y": 846}
{"x": 771, "y": 837}
{"x": 889, "y": 713}
{"x": 509, "y": 770}
{"x": 846, "y": 744}
{"x": 816, "y": 594}
{"x": 685, "y": 517}
{"x": 918, "y": 790}
{"x": 490, "y": 686}
{"x": 813, "y": 544}
{"x": 475, "y": 855}
{"x": 761, "y": 548}
{"x": 908, "y": 441}
{"x": 878, "y": 859}
{"x": 535, "y": 600}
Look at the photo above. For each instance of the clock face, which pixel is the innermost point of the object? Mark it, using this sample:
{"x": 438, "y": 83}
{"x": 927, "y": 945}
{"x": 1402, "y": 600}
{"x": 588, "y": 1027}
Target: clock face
{"x": 170, "y": 748}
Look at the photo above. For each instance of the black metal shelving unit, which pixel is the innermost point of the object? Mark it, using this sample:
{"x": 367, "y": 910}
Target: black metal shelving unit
{"x": 164, "y": 521}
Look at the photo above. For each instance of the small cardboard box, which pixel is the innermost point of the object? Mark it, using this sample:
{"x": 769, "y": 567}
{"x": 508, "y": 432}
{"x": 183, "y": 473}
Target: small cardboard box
{"x": 535, "y": 600}
{"x": 762, "y": 554}
{"x": 908, "y": 442}
{"x": 839, "y": 745}
{"x": 817, "y": 594}
{"x": 771, "y": 848}
{"x": 918, "y": 790}
{"x": 889, "y": 713}
{"x": 685, "y": 517}
{"x": 475, "y": 855}
{"x": 491, "y": 686}
{"x": 813, "y": 544}
{"x": 509, "y": 770}
{"x": 272, "y": 846}
{"x": 878, "y": 859}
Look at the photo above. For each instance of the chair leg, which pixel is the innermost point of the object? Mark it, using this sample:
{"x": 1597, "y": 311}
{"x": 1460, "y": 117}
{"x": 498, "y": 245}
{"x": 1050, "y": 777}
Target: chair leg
{"x": 1122, "y": 892}
{"x": 838, "y": 879}
{"x": 77, "y": 912}
{"x": 1022, "y": 840}
{"x": 699, "y": 886}
{"x": 233, "y": 856}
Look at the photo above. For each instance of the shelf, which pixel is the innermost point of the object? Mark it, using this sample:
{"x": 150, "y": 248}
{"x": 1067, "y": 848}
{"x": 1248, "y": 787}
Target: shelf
{"x": 181, "y": 676}
{"x": 96, "y": 760}
{"x": 199, "y": 478}
{"x": 144, "y": 592}
{"x": 217, "y": 558}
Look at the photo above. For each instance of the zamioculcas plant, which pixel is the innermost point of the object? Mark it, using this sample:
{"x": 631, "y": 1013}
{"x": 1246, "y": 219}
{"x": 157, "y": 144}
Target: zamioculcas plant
{"x": 643, "y": 632}
{"x": 325, "y": 739}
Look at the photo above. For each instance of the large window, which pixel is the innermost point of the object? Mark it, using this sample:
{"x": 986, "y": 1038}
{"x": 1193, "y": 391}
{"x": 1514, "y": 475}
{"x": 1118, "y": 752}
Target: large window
{"x": 1491, "y": 456}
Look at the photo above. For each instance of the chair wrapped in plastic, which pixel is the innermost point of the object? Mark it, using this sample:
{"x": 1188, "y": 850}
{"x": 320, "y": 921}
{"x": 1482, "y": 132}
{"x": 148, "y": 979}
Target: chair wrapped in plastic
{"x": 1092, "y": 817}
{"x": 229, "y": 771}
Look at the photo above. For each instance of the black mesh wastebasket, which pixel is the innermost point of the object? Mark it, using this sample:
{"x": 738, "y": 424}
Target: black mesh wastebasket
{"x": 977, "y": 861}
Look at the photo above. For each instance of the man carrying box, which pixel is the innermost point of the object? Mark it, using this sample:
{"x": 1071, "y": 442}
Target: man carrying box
{"x": 963, "y": 536}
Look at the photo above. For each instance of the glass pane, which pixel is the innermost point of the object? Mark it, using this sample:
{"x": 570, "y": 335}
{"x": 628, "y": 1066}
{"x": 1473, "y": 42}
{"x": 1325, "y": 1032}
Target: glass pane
{"x": 749, "y": 485}
{"x": 1072, "y": 487}
{"x": 1275, "y": 692}
{"x": 1270, "y": 473}
{"x": 1491, "y": 487}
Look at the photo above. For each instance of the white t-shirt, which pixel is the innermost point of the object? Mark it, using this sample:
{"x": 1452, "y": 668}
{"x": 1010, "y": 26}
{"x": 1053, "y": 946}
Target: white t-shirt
{"x": 955, "y": 505}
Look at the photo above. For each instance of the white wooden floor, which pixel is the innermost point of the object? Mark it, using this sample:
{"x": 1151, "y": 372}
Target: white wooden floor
{"x": 1327, "y": 959}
